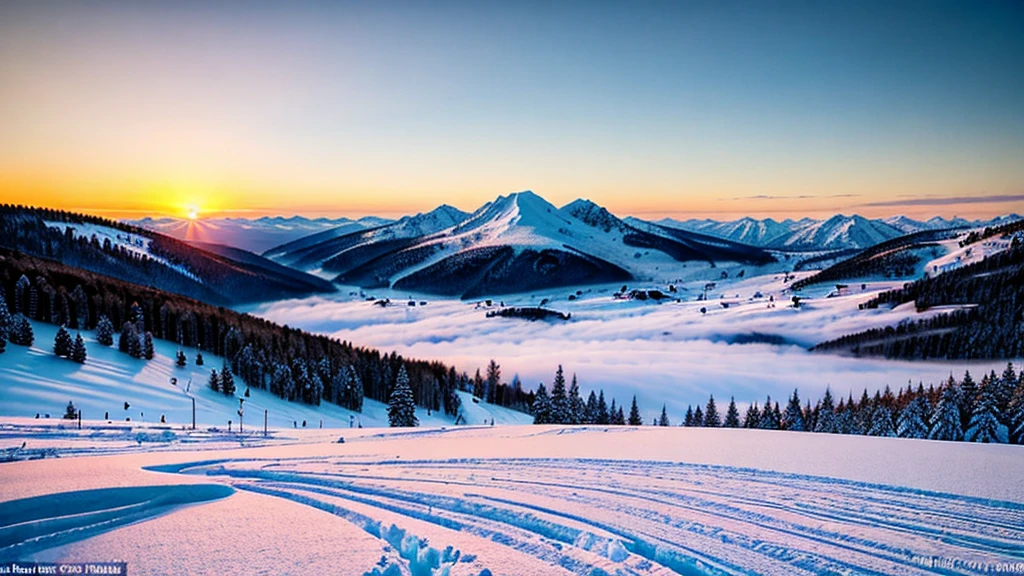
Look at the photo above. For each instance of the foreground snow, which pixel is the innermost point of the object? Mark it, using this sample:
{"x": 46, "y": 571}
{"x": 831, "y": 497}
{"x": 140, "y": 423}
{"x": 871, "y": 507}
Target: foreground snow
{"x": 526, "y": 500}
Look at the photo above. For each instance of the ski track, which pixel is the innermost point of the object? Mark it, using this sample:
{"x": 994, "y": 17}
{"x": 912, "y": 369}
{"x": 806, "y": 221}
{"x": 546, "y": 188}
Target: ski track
{"x": 593, "y": 517}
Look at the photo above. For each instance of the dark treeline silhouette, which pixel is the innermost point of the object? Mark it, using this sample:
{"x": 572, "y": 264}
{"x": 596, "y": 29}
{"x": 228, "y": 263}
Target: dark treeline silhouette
{"x": 290, "y": 363}
{"x": 993, "y": 288}
{"x": 990, "y": 411}
{"x": 192, "y": 272}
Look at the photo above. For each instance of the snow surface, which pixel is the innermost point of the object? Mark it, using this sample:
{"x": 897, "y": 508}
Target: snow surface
{"x": 34, "y": 381}
{"x": 134, "y": 243}
{"x": 252, "y": 234}
{"x": 529, "y": 500}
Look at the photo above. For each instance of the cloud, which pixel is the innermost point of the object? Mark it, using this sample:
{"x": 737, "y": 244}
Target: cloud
{"x": 800, "y": 197}
{"x": 948, "y": 201}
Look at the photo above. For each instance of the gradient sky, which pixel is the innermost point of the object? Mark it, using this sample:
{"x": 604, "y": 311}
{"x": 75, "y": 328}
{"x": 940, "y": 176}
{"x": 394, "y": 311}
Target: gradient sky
{"x": 652, "y": 109}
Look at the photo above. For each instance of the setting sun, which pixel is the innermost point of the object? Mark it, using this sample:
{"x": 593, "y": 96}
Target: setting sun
{"x": 193, "y": 212}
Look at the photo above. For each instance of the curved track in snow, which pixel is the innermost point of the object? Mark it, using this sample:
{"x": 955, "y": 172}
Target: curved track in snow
{"x": 593, "y": 517}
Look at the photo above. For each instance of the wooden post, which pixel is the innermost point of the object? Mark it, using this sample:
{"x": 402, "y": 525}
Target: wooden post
{"x": 193, "y": 412}
{"x": 264, "y": 422}
{"x": 79, "y": 418}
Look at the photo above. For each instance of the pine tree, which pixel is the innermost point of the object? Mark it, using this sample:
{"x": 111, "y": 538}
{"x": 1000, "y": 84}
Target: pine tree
{"x": 227, "y": 380}
{"x": 711, "y": 418}
{"x": 105, "y": 332}
{"x": 1004, "y": 392}
{"x": 214, "y": 381}
{"x": 1015, "y": 412}
{"x": 826, "y": 422}
{"x": 3, "y": 340}
{"x": 604, "y": 415}
{"x": 560, "y": 411}
{"x": 881, "y": 421}
{"x": 590, "y": 412}
{"x": 62, "y": 343}
{"x": 401, "y": 408}
{"x": 493, "y": 379}
{"x": 71, "y": 413}
{"x": 732, "y": 415}
{"x": 182, "y": 360}
{"x": 634, "y": 414}
{"x": 21, "y": 331}
{"x": 576, "y": 406}
{"x": 794, "y": 417}
{"x": 688, "y": 420}
{"x": 967, "y": 394}
{"x": 78, "y": 352}
{"x": 5, "y": 314}
{"x": 911, "y": 423}
{"x": 698, "y": 417}
{"x": 768, "y": 420}
{"x": 663, "y": 420}
{"x": 985, "y": 422}
{"x": 752, "y": 419}
{"x": 147, "y": 346}
{"x": 946, "y": 417}
{"x": 620, "y": 417}
{"x": 199, "y": 358}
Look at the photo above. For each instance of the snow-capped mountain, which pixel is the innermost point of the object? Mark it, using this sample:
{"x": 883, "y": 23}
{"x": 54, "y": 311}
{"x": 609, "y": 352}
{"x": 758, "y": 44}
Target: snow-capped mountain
{"x": 254, "y": 235}
{"x": 836, "y": 233}
{"x": 515, "y": 243}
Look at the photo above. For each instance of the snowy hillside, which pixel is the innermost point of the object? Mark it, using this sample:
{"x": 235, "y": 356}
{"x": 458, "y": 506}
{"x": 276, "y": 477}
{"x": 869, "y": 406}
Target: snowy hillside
{"x": 37, "y": 382}
{"x": 255, "y": 235}
{"x": 525, "y": 501}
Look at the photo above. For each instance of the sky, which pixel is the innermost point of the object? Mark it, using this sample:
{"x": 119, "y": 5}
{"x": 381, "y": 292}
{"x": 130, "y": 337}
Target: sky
{"x": 682, "y": 109}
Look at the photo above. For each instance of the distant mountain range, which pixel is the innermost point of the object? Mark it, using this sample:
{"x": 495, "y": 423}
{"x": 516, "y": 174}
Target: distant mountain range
{"x": 516, "y": 243}
{"x": 254, "y": 235}
{"x": 836, "y": 233}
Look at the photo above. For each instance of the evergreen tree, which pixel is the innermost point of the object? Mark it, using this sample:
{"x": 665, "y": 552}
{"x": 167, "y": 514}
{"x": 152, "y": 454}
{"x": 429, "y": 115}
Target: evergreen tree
{"x": 576, "y": 406}
{"x": 541, "y": 406}
{"x": 688, "y": 420}
{"x": 794, "y": 417}
{"x": 560, "y": 411}
{"x": 634, "y": 414}
{"x": 768, "y": 420}
{"x": 1004, "y": 392}
{"x": 493, "y": 379}
{"x": 698, "y": 417}
{"x": 3, "y": 340}
{"x": 227, "y": 379}
{"x": 62, "y": 343}
{"x": 864, "y": 411}
{"x": 711, "y": 418}
{"x": 752, "y": 419}
{"x": 663, "y": 420}
{"x": 881, "y": 421}
{"x": 199, "y": 358}
{"x": 214, "y": 381}
{"x": 826, "y": 421}
{"x": 967, "y": 396}
{"x": 613, "y": 413}
{"x": 105, "y": 332}
{"x": 21, "y": 331}
{"x": 590, "y": 412}
{"x": 985, "y": 422}
{"x": 5, "y": 314}
{"x": 401, "y": 407}
{"x": 147, "y": 346}
{"x": 911, "y": 423}
{"x": 182, "y": 360}
{"x": 1015, "y": 412}
{"x": 604, "y": 415}
{"x": 620, "y": 417}
{"x": 78, "y": 352}
{"x": 946, "y": 417}
{"x": 732, "y": 415}
{"x": 71, "y": 413}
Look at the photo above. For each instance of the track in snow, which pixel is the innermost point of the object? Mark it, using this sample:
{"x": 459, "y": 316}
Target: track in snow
{"x": 642, "y": 517}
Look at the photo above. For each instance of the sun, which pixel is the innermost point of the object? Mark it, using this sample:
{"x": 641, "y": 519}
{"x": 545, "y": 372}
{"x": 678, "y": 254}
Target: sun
{"x": 193, "y": 213}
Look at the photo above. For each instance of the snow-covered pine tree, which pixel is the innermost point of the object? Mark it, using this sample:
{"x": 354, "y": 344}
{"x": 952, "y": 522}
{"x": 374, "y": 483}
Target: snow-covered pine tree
{"x": 182, "y": 360}
{"x": 576, "y": 406}
{"x": 663, "y": 419}
{"x": 3, "y": 340}
{"x": 946, "y": 417}
{"x": 78, "y": 352}
{"x": 881, "y": 421}
{"x": 492, "y": 381}
{"x": 986, "y": 425}
{"x": 688, "y": 419}
{"x": 199, "y": 358}
{"x": 1004, "y": 392}
{"x": 634, "y": 414}
{"x": 732, "y": 415}
{"x": 711, "y": 417}
{"x": 62, "y": 343}
{"x": 911, "y": 423}
{"x": 105, "y": 331}
{"x": 401, "y": 408}
{"x": 5, "y": 313}
{"x": 21, "y": 331}
{"x": 768, "y": 421}
{"x": 862, "y": 423}
{"x": 147, "y": 346}
{"x": 967, "y": 396}
{"x": 1015, "y": 412}
{"x": 826, "y": 415}
{"x": 214, "y": 381}
{"x": 227, "y": 379}
{"x": 70, "y": 412}
{"x": 794, "y": 416}
{"x": 560, "y": 412}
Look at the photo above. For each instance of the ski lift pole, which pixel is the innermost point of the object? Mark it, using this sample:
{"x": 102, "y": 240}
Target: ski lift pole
{"x": 241, "y": 401}
{"x": 193, "y": 412}
{"x": 264, "y": 422}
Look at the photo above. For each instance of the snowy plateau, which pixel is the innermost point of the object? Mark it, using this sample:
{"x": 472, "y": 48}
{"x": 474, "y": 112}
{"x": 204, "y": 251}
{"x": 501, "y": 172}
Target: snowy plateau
{"x": 295, "y": 488}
